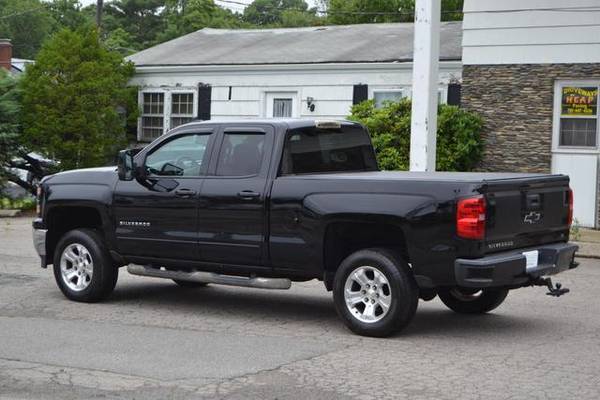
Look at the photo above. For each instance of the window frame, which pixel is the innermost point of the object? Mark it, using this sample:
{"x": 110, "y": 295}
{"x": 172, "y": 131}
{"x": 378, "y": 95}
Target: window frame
{"x": 267, "y": 97}
{"x": 167, "y": 105}
{"x": 407, "y": 92}
{"x": 403, "y": 93}
{"x": 150, "y": 115}
{"x": 179, "y": 115}
{"x": 557, "y": 117}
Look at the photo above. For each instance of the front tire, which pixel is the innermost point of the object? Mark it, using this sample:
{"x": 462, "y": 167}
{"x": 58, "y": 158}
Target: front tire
{"x": 469, "y": 301}
{"x": 375, "y": 293}
{"x": 83, "y": 267}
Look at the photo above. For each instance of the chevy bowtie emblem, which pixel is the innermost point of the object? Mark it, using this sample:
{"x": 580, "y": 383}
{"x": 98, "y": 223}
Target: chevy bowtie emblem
{"x": 533, "y": 217}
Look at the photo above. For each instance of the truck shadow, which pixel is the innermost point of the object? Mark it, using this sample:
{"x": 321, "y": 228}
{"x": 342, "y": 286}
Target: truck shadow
{"x": 313, "y": 310}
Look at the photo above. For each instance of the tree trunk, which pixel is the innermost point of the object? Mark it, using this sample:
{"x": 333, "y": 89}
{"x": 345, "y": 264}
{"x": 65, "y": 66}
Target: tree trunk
{"x": 99, "y": 7}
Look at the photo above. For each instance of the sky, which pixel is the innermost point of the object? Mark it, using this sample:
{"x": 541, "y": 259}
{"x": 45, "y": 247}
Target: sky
{"x": 233, "y": 7}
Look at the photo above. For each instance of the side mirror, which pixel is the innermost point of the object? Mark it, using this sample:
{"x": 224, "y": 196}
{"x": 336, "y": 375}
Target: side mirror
{"x": 125, "y": 166}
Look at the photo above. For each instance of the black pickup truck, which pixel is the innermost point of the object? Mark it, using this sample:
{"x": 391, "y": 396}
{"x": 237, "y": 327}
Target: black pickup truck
{"x": 263, "y": 203}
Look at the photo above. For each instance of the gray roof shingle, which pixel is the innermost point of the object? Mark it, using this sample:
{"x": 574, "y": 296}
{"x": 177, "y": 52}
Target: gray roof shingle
{"x": 326, "y": 44}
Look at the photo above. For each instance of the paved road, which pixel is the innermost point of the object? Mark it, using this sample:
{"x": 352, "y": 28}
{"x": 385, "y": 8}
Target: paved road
{"x": 154, "y": 340}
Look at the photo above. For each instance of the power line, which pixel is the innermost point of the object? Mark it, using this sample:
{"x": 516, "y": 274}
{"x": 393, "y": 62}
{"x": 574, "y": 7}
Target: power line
{"x": 22, "y": 12}
{"x": 408, "y": 13}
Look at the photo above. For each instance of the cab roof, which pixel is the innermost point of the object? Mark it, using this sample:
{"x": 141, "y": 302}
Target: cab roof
{"x": 286, "y": 123}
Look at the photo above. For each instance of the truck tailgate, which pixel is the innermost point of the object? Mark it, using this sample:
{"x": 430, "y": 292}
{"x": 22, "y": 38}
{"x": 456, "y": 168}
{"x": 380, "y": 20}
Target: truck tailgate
{"x": 526, "y": 211}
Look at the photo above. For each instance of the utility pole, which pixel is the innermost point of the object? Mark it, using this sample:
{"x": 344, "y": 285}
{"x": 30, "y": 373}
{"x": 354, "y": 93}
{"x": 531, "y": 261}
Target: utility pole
{"x": 426, "y": 50}
{"x": 99, "y": 7}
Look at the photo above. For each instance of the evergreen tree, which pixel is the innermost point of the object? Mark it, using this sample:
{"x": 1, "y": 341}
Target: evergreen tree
{"x": 71, "y": 98}
{"x": 9, "y": 124}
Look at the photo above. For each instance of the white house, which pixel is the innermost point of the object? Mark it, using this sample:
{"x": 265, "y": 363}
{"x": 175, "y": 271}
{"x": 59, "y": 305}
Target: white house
{"x": 299, "y": 72}
{"x": 532, "y": 69}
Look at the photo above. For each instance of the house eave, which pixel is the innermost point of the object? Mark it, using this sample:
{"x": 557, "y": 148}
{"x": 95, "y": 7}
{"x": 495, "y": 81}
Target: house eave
{"x": 334, "y": 67}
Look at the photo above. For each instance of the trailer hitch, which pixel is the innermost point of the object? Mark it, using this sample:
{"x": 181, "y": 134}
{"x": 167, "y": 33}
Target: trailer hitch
{"x": 553, "y": 290}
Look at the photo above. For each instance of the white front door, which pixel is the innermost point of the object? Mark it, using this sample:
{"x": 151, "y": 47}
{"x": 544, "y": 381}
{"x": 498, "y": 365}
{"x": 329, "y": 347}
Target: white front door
{"x": 575, "y": 144}
{"x": 281, "y": 105}
{"x": 583, "y": 173}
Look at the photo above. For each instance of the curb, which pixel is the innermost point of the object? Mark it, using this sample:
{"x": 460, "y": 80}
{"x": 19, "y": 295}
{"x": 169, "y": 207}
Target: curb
{"x": 9, "y": 213}
{"x": 588, "y": 250}
{"x": 588, "y": 256}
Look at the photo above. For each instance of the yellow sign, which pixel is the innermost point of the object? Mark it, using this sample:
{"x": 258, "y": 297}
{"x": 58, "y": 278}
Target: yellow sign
{"x": 579, "y": 101}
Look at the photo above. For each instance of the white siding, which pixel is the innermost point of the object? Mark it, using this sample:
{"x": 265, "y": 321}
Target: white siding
{"x": 583, "y": 173}
{"x": 531, "y": 32}
{"x": 331, "y": 86}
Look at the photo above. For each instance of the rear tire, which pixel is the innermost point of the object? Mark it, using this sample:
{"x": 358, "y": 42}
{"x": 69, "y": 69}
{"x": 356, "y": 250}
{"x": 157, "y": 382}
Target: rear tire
{"x": 466, "y": 301}
{"x": 83, "y": 268}
{"x": 375, "y": 293}
{"x": 190, "y": 285}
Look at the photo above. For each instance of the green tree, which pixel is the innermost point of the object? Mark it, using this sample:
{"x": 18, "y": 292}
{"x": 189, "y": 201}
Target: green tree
{"x": 372, "y": 11}
{"x": 273, "y": 12}
{"x": 72, "y": 97}
{"x": 459, "y": 145}
{"x": 120, "y": 40}
{"x": 186, "y": 16}
{"x": 13, "y": 154}
{"x": 67, "y": 14}
{"x": 9, "y": 123}
{"x": 141, "y": 19}
{"x": 27, "y": 23}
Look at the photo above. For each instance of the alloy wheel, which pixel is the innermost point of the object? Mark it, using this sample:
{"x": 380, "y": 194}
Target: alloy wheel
{"x": 367, "y": 294}
{"x": 76, "y": 267}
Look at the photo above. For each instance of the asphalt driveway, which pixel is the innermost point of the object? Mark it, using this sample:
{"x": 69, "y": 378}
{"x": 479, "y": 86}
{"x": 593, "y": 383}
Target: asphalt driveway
{"x": 154, "y": 340}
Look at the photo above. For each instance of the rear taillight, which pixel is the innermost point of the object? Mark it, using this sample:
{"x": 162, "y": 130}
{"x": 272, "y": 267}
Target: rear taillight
{"x": 470, "y": 218}
{"x": 570, "y": 214}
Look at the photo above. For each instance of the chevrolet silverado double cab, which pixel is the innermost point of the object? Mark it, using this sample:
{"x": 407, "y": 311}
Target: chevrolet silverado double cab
{"x": 264, "y": 203}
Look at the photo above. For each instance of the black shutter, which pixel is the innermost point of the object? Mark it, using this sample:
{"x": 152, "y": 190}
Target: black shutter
{"x": 204, "y": 100}
{"x": 360, "y": 94}
{"x": 454, "y": 94}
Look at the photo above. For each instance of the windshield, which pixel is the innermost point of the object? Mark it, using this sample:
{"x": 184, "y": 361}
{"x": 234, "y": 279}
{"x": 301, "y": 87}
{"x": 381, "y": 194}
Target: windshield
{"x": 315, "y": 150}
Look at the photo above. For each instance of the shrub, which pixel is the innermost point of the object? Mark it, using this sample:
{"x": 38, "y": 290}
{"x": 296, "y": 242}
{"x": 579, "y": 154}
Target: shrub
{"x": 23, "y": 204}
{"x": 459, "y": 145}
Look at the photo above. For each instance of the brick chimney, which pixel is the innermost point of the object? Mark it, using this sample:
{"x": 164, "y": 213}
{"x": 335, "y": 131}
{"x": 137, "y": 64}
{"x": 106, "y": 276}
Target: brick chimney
{"x": 5, "y": 54}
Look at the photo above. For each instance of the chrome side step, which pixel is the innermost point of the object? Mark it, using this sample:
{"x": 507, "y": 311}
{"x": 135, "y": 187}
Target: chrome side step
{"x": 210, "y": 277}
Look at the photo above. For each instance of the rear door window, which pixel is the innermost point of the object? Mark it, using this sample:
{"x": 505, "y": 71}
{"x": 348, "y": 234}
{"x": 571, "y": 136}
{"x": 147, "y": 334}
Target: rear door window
{"x": 241, "y": 154}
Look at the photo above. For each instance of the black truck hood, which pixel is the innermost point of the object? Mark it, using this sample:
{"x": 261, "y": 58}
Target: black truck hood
{"x": 102, "y": 175}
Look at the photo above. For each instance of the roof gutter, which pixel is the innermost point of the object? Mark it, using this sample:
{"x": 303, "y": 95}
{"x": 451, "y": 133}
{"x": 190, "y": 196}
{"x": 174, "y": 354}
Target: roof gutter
{"x": 324, "y": 67}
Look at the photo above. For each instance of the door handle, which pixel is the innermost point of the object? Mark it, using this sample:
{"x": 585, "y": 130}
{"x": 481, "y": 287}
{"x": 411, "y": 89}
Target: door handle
{"x": 185, "y": 192}
{"x": 248, "y": 195}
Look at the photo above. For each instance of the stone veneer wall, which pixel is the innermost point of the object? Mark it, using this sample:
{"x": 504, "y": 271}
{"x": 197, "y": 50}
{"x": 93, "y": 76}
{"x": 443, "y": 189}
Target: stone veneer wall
{"x": 516, "y": 102}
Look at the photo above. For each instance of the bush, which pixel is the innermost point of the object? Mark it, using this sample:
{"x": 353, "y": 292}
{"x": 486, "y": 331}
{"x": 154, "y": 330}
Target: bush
{"x": 23, "y": 204}
{"x": 459, "y": 145}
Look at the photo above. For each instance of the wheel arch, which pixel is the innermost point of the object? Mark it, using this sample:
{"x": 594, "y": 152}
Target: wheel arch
{"x": 63, "y": 218}
{"x": 347, "y": 234}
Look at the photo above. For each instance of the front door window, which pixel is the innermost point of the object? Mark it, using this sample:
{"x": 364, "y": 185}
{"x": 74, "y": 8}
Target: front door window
{"x": 282, "y": 108}
{"x": 281, "y": 105}
{"x": 182, "y": 156}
